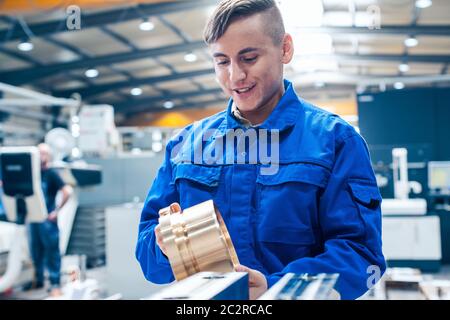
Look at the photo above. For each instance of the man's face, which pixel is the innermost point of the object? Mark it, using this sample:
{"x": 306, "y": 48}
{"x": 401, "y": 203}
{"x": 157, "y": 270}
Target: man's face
{"x": 249, "y": 66}
{"x": 45, "y": 156}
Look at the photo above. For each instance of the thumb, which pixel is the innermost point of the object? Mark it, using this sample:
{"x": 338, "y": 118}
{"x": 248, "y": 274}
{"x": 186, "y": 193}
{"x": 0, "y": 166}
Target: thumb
{"x": 241, "y": 268}
{"x": 251, "y": 273}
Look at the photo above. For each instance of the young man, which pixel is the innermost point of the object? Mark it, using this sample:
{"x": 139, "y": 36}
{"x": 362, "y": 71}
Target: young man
{"x": 44, "y": 237}
{"x": 319, "y": 211}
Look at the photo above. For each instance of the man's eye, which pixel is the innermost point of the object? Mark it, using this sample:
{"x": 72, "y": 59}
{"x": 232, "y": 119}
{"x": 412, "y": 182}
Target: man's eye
{"x": 250, "y": 59}
{"x": 222, "y": 63}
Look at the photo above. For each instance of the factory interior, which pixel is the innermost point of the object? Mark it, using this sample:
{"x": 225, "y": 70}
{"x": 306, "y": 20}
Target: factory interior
{"x": 107, "y": 84}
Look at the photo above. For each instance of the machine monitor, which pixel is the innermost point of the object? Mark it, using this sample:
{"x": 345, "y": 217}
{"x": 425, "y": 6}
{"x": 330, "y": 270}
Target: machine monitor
{"x": 439, "y": 177}
{"x": 22, "y": 196}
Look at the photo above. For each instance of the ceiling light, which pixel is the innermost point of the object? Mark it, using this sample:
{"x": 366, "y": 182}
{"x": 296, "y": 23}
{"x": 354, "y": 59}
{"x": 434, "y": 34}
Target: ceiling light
{"x": 301, "y": 13}
{"x": 319, "y": 84}
{"x": 25, "y": 45}
{"x": 157, "y": 135}
{"x": 312, "y": 44}
{"x": 404, "y": 67}
{"x": 136, "y": 91}
{"x": 190, "y": 57}
{"x": 422, "y": 4}
{"x": 157, "y": 146}
{"x": 169, "y": 104}
{"x": 146, "y": 25}
{"x": 91, "y": 73}
{"x": 399, "y": 85}
{"x": 411, "y": 42}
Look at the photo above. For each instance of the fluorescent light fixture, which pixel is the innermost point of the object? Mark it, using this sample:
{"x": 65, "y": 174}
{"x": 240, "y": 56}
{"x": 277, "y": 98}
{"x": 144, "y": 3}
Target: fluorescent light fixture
{"x": 411, "y": 42}
{"x": 190, "y": 57}
{"x": 399, "y": 85}
{"x": 76, "y": 153}
{"x": 313, "y": 43}
{"x": 319, "y": 84}
{"x": 75, "y": 130}
{"x": 25, "y": 46}
{"x": 404, "y": 67}
{"x": 91, "y": 73}
{"x": 157, "y": 135}
{"x": 337, "y": 19}
{"x": 422, "y": 4}
{"x": 136, "y": 91}
{"x": 157, "y": 146}
{"x": 169, "y": 104}
{"x": 146, "y": 25}
{"x": 311, "y": 65}
{"x": 301, "y": 13}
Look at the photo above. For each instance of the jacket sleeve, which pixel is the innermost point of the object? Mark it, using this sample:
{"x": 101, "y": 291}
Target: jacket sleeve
{"x": 154, "y": 263}
{"x": 350, "y": 222}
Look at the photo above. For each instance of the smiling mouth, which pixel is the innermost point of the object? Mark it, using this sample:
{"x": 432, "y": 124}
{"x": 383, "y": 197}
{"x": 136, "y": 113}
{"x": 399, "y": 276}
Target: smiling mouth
{"x": 244, "y": 90}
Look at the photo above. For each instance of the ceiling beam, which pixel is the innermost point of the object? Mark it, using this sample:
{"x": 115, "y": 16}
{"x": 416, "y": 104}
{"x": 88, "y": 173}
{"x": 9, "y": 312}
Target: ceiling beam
{"x": 144, "y": 104}
{"x": 425, "y": 30}
{"x": 388, "y": 57}
{"x": 93, "y": 90}
{"x": 188, "y": 105}
{"x": 23, "y": 76}
{"x": 106, "y": 17}
{"x": 27, "y": 75}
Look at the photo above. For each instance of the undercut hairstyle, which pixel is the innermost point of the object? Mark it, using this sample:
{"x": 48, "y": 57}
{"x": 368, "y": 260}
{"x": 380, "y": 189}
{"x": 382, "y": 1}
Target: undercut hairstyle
{"x": 229, "y": 11}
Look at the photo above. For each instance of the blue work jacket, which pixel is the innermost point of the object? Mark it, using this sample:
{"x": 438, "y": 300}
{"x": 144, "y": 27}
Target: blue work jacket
{"x": 319, "y": 211}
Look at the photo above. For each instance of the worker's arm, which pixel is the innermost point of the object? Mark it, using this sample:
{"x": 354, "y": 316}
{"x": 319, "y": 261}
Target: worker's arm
{"x": 154, "y": 263}
{"x": 350, "y": 221}
{"x": 66, "y": 193}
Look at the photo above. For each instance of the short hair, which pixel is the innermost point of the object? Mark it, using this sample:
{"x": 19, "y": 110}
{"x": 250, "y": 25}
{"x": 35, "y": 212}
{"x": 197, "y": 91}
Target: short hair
{"x": 229, "y": 11}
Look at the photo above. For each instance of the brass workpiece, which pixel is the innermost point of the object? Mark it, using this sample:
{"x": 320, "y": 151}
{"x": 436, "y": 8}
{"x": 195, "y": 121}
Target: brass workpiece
{"x": 196, "y": 239}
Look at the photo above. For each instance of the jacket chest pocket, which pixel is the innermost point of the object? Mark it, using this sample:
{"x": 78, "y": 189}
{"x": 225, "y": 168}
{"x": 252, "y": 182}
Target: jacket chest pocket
{"x": 288, "y": 203}
{"x": 196, "y": 183}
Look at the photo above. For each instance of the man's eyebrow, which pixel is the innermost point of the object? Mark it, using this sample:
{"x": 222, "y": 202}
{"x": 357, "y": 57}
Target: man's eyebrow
{"x": 243, "y": 51}
{"x": 219, "y": 54}
{"x": 247, "y": 50}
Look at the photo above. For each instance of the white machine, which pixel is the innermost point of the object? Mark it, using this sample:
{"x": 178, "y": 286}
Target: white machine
{"x": 23, "y": 202}
{"x": 401, "y": 204}
{"x": 410, "y": 237}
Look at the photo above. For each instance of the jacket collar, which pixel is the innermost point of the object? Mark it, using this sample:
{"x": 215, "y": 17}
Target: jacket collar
{"x": 285, "y": 115}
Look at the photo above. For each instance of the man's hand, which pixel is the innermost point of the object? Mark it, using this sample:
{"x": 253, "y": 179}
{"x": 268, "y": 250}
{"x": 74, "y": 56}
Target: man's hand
{"x": 52, "y": 216}
{"x": 257, "y": 282}
{"x": 159, "y": 240}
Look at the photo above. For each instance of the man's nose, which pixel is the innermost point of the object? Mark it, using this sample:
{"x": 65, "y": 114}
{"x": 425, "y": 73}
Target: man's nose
{"x": 237, "y": 73}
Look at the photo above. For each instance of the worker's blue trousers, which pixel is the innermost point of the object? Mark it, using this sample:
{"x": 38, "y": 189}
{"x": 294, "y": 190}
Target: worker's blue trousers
{"x": 44, "y": 247}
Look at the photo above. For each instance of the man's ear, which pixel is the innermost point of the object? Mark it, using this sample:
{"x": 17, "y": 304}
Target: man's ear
{"x": 288, "y": 49}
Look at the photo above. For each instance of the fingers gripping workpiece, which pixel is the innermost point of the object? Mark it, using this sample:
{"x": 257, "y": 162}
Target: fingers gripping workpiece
{"x": 196, "y": 239}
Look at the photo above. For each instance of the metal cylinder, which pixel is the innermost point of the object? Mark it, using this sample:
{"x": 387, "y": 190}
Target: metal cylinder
{"x": 196, "y": 239}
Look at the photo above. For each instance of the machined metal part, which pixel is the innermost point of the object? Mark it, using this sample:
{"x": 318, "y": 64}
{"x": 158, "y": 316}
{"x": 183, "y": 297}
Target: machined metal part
{"x": 196, "y": 239}
{"x": 303, "y": 287}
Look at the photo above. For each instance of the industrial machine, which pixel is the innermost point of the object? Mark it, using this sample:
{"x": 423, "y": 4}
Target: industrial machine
{"x": 303, "y": 287}
{"x": 407, "y": 219}
{"x": 207, "y": 286}
{"x": 23, "y": 202}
